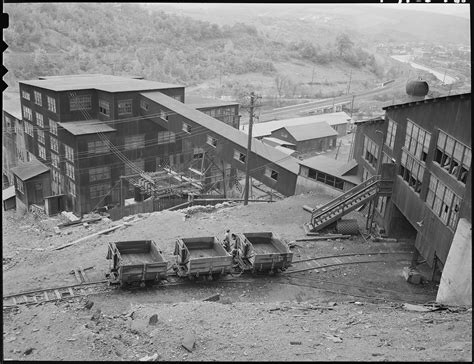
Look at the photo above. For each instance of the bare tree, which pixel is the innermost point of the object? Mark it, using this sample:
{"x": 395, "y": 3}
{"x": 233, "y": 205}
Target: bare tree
{"x": 281, "y": 83}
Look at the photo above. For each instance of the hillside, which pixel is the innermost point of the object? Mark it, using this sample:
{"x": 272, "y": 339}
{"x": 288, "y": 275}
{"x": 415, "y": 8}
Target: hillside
{"x": 368, "y": 23}
{"x": 48, "y": 38}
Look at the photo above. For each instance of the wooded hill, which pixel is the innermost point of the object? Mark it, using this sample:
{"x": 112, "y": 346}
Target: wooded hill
{"x": 70, "y": 38}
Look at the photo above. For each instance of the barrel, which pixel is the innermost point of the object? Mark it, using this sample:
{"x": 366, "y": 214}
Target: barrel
{"x": 347, "y": 227}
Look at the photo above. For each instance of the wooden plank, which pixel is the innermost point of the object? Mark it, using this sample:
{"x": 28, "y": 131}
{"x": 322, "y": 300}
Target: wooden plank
{"x": 324, "y": 237}
{"x": 89, "y": 236}
{"x": 77, "y": 275}
{"x": 71, "y": 292}
{"x": 58, "y": 295}
{"x": 14, "y": 300}
{"x": 46, "y": 296}
{"x": 25, "y": 298}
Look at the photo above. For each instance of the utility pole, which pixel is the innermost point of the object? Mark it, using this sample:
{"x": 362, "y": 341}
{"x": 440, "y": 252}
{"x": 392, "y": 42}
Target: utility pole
{"x": 349, "y": 86}
{"x": 352, "y": 104}
{"x": 312, "y": 79}
{"x": 249, "y": 148}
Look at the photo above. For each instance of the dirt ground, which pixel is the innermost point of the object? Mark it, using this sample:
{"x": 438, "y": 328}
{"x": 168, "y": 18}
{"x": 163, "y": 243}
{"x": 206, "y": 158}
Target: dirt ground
{"x": 264, "y": 318}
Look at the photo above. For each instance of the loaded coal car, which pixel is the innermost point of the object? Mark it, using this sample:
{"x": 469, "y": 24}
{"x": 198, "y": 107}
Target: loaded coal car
{"x": 136, "y": 262}
{"x": 266, "y": 252}
{"x": 202, "y": 256}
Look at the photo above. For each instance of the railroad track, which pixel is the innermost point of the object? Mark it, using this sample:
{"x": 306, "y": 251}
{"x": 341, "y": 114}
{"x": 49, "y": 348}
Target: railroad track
{"x": 296, "y": 277}
{"x": 40, "y": 296}
{"x": 321, "y": 263}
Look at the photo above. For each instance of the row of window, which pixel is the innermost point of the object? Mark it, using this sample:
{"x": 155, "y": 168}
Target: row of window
{"x": 322, "y": 177}
{"x": 417, "y": 141}
{"x": 453, "y": 156}
{"x": 28, "y": 115}
{"x": 221, "y": 111}
{"x": 371, "y": 151}
{"x": 412, "y": 171}
{"x": 444, "y": 202}
{"x": 391, "y": 132}
{"x": 80, "y": 102}
{"x": 39, "y": 99}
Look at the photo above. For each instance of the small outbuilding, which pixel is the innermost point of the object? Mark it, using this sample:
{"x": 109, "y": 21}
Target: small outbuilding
{"x": 8, "y": 198}
{"x": 32, "y": 184}
{"x": 310, "y": 137}
{"x": 323, "y": 170}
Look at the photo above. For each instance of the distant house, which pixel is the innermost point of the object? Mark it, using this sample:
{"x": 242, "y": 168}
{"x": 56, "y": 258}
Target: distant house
{"x": 310, "y": 137}
{"x": 339, "y": 121}
{"x": 323, "y": 170}
{"x": 32, "y": 184}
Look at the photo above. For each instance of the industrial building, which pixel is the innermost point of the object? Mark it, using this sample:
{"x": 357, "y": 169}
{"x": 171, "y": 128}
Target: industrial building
{"x": 427, "y": 142}
{"x": 94, "y": 131}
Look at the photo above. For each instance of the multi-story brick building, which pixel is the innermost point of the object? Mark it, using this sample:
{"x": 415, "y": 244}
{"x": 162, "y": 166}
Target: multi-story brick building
{"x": 92, "y": 129}
{"x": 429, "y": 143}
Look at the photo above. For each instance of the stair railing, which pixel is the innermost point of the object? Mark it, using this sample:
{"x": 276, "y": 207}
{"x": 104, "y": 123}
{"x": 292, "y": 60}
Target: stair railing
{"x": 352, "y": 192}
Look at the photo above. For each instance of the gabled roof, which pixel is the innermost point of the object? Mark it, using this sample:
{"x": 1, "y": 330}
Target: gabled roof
{"x": 266, "y": 128}
{"x": 201, "y": 102}
{"x": 309, "y": 131}
{"x": 227, "y": 131}
{"x": 83, "y": 127}
{"x": 331, "y": 166}
{"x": 100, "y": 82}
{"x": 26, "y": 171}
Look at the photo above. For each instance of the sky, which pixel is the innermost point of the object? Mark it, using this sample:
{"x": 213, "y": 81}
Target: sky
{"x": 449, "y": 8}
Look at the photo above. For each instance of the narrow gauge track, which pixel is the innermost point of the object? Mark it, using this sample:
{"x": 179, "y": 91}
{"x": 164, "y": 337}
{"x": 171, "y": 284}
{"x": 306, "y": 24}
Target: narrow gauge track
{"x": 354, "y": 290}
{"x": 344, "y": 259}
{"x": 54, "y": 294}
{"x": 97, "y": 287}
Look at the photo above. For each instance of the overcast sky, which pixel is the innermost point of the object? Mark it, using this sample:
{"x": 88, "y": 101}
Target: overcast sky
{"x": 450, "y": 8}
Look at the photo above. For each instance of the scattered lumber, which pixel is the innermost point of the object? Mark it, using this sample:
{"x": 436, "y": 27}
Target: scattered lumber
{"x": 308, "y": 208}
{"x": 89, "y": 236}
{"x": 325, "y": 237}
{"x": 77, "y": 222}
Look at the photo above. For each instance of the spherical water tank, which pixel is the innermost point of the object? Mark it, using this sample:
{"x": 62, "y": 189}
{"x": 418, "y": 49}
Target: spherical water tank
{"x": 417, "y": 88}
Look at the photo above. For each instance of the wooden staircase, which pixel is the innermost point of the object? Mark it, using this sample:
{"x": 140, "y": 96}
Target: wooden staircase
{"x": 348, "y": 201}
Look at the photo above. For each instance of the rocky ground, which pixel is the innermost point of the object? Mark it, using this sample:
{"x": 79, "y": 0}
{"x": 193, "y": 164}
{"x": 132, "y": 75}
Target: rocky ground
{"x": 257, "y": 319}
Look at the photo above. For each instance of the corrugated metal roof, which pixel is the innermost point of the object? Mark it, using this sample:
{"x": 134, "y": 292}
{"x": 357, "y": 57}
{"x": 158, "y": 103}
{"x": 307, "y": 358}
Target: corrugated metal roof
{"x": 266, "y": 128}
{"x": 310, "y": 131}
{"x": 101, "y": 82}
{"x": 427, "y": 100}
{"x": 201, "y": 102}
{"x": 26, "y": 171}
{"x": 375, "y": 118}
{"x": 83, "y": 127}
{"x": 12, "y": 104}
{"x": 8, "y": 192}
{"x": 236, "y": 136}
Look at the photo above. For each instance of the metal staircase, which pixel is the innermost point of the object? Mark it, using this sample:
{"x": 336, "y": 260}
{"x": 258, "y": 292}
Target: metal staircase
{"x": 348, "y": 201}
